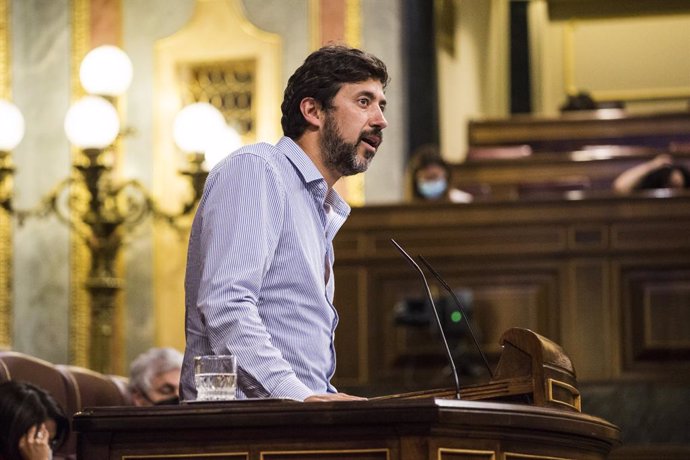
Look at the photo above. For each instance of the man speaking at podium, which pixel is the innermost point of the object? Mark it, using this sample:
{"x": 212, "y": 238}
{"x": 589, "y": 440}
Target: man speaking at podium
{"x": 259, "y": 280}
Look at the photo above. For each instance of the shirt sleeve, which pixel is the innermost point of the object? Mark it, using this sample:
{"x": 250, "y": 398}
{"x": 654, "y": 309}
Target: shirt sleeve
{"x": 242, "y": 221}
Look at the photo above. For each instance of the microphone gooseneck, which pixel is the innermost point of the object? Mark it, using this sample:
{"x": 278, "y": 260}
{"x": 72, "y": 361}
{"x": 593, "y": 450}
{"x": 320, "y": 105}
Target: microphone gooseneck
{"x": 462, "y": 311}
{"x": 438, "y": 319}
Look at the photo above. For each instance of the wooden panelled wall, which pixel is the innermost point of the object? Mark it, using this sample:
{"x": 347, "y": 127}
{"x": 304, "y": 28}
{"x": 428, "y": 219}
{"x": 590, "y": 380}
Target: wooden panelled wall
{"x": 545, "y": 245}
{"x": 606, "y": 277}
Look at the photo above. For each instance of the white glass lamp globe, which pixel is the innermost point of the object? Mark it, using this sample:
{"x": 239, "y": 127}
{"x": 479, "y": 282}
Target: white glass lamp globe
{"x": 92, "y": 123}
{"x": 196, "y": 126}
{"x": 226, "y": 141}
{"x": 106, "y": 71}
{"x": 11, "y": 126}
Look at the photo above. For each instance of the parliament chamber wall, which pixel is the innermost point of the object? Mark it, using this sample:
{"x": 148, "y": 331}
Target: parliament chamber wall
{"x": 606, "y": 276}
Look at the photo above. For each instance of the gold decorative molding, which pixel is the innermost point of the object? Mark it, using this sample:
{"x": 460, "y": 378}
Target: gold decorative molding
{"x": 471, "y": 453}
{"x": 354, "y": 185}
{"x": 648, "y": 94}
{"x": 5, "y": 219}
{"x": 80, "y": 314}
{"x": 5, "y": 58}
{"x": 569, "y": 58}
{"x": 204, "y": 455}
{"x": 228, "y": 85}
{"x": 513, "y": 455}
{"x": 314, "y": 24}
{"x": 637, "y": 94}
{"x": 353, "y": 23}
{"x": 5, "y": 280}
{"x": 317, "y": 453}
{"x": 555, "y": 385}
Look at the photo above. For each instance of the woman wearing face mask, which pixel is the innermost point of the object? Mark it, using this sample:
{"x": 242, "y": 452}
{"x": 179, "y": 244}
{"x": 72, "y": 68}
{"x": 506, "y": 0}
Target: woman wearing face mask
{"x": 429, "y": 178}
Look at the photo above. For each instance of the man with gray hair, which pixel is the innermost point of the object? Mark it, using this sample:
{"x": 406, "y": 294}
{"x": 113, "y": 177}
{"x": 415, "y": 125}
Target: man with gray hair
{"x": 154, "y": 377}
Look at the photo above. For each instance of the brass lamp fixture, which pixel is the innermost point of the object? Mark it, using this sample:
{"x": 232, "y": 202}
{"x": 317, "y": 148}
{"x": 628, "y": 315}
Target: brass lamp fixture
{"x": 11, "y": 134}
{"x": 98, "y": 207}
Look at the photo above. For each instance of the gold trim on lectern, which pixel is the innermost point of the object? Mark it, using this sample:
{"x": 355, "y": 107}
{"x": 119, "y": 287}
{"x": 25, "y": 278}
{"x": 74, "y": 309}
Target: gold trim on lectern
{"x": 245, "y": 455}
{"x": 573, "y": 391}
{"x": 266, "y": 455}
{"x": 491, "y": 455}
{"x": 509, "y": 455}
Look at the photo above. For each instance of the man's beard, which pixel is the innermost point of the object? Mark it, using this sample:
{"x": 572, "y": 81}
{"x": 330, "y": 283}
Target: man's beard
{"x": 340, "y": 155}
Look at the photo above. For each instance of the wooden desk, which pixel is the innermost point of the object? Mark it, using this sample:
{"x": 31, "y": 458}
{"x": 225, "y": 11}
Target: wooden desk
{"x": 433, "y": 429}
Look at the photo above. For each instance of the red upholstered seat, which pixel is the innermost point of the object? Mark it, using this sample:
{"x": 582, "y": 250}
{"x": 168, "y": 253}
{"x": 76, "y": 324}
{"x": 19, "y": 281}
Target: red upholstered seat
{"x": 95, "y": 389}
{"x": 122, "y": 384}
{"x": 19, "y": 366}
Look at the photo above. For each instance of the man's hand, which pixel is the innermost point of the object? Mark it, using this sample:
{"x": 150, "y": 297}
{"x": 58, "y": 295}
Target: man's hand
{"x": 333, "y": 397}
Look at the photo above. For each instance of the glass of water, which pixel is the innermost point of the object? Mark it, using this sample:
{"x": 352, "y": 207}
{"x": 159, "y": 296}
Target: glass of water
{"x": 215, "y": 377}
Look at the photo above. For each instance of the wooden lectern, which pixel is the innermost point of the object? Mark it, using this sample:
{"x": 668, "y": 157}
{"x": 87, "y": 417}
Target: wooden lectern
{"x": 533, "y": 370}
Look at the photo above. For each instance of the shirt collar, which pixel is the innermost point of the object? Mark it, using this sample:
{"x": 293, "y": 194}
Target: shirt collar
{"x": 339, "y": 205}
{"x": 310, "y": 173}
{"x": 299, "y": 159}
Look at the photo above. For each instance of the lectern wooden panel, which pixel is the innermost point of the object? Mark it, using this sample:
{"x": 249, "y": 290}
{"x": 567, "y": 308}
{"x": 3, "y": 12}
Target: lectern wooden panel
{"x": 354, "y": 430}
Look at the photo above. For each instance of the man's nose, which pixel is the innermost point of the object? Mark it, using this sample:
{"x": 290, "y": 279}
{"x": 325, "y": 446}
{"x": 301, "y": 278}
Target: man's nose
{"x": 378, "y": 119}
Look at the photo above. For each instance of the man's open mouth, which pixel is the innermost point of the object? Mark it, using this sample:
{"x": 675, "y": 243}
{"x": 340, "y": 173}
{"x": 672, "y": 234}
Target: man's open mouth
{"x": 373, "y": 140}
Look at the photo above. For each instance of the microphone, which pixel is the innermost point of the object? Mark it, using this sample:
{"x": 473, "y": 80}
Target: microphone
{"x": 462, "y": 311}
{"x": 438, "y": 319}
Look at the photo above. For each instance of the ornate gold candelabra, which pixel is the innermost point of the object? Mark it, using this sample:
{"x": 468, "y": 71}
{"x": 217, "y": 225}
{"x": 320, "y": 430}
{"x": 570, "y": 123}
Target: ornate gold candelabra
{"x": 103, "y": 213}
{"x": 101, "y": 210}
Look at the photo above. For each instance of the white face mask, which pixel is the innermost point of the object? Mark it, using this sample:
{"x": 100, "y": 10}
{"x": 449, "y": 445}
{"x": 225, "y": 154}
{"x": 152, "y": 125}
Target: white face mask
{"x": 432, "y": 188}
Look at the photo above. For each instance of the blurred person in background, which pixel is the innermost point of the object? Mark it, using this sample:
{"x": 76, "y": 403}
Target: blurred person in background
{"x": 154, "y": 377}
{"x": 429, "y": 178}
{"x": 657, "y": 173}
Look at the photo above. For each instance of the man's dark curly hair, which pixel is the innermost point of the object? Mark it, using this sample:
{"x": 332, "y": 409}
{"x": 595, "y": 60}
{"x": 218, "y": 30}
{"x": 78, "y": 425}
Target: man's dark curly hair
{"x": 321, "y": 76}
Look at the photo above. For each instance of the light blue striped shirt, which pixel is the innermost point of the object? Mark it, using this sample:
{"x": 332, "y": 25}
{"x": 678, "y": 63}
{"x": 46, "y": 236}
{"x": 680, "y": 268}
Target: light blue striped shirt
{"x": 259, "y": 281}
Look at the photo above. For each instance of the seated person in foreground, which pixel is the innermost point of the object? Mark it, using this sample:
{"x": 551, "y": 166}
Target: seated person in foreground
{"x": 429, "y": 177}
{"x": 32, "y": 424}
{"x": 154, "y": 377}
{"x": 658, "y": 173}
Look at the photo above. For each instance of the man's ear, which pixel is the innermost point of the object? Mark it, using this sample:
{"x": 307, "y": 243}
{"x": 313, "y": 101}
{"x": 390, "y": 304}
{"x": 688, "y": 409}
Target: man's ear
{"x": 311, "y": 111}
